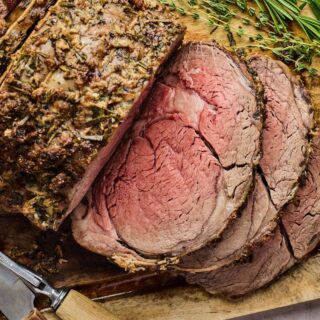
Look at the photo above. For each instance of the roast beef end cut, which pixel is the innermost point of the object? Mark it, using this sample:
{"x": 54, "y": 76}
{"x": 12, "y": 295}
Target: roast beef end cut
{"x": 69, "y": 96}
{"x": 301, "y": 218}
{"x": 169, "y": 189}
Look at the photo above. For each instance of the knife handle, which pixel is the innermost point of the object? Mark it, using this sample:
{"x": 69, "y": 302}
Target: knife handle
{"x": 76, "y": 306}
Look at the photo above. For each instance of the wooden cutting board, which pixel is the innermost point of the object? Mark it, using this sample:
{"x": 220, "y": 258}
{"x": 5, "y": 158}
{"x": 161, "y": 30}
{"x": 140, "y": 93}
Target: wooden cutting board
{"x": 191, "y": 303}
{"x": 66, "y": 264}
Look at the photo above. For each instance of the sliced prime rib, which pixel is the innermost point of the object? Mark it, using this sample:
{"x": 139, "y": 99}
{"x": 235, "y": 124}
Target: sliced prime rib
{"x": 285, "y": 146}
{"x": 69, "y": 96}
{"x": 184, "y": 169}
{"x": 256, "y": 221}
{"x": 288, "y": 121}
{"x": 264, "y": 264}
{"x": 294, "y": 239}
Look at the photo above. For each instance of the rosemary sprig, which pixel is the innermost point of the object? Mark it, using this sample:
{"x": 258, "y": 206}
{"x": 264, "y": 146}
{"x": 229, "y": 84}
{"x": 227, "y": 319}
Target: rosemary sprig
{"x": 315, "y": 7}
{"x": 284, "y": 11}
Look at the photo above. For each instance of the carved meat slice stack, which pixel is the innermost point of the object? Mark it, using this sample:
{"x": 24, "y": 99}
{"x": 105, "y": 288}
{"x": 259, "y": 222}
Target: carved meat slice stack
{"x": 148, "y": 205}
{"x": 289, "y": 120}
{"x": 295, "y": 238}
{"x": 285, "y": 147}
{"x": 185, "y": 168}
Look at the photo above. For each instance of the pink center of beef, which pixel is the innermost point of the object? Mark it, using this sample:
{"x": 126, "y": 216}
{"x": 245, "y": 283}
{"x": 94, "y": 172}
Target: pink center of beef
{"x": 166, "y": 189}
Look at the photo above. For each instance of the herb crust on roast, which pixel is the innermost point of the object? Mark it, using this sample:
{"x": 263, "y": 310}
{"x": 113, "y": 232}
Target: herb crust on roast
{"x": 82, "y": 73}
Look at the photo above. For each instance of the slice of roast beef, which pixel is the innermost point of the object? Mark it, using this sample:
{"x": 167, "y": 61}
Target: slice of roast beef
{"x": 285, "y": 146}
{"x": 288, "y": 121}
{"x": 69, "y": 96}
{"x": 257, "y": 220}
{"x": 185, "y": 168}
{"x": 301, "y": 218}
{"x": 265, "y": 264}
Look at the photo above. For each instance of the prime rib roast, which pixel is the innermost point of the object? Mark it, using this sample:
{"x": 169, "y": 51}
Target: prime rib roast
{"x": 70, "y": 94}
{"x": 183, "y": 170}
{"x": 204, "y": 164}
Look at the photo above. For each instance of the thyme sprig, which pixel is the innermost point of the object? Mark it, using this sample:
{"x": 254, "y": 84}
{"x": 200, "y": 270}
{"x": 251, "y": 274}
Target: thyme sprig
{"x": 290, "y": 49}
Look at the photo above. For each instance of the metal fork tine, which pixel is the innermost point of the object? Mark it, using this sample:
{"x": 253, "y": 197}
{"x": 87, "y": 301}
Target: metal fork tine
{"x": 20, "y": 271}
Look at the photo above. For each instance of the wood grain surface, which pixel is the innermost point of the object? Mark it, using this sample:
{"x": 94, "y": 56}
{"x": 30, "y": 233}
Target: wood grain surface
{"x": 76, "y": 306}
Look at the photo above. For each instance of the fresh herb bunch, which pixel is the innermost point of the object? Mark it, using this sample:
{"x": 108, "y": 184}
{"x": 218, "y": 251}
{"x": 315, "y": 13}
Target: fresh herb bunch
{"x": 283, "y": 11}
{"x": 284, "y": 44}
{"x": 275, "y": 14}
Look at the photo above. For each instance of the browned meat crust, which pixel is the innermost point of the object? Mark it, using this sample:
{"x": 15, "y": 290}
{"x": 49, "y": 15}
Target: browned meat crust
{"x": 82, "y": 73}
{"x": 17, "y": 25}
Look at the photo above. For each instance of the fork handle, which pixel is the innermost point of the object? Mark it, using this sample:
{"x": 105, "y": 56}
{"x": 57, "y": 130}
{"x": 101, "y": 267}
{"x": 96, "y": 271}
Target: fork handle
{"x": 76, "y": 306}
